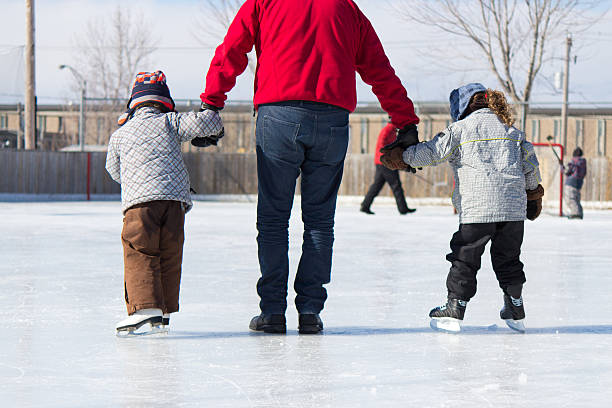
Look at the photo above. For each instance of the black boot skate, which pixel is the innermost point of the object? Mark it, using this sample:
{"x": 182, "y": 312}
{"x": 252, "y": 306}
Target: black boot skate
{"x": 513, "y": 313}
{"x": 269, "y": 323}
{"x": 448, "y": 316}
{"x": 310, "y": 323}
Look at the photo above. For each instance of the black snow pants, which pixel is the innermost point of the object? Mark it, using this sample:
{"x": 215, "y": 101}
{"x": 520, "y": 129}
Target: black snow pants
{"x": 468, "y": 245}
{"x": 383, "y": 175}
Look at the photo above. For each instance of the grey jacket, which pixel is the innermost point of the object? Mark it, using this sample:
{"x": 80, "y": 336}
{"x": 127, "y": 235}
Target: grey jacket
{"x": 144, "y": 155}
{"x": 493, "y": 166}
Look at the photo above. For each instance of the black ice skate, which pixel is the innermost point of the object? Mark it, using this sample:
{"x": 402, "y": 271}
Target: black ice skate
{"x": 513, "y": 313}
{"x": 269, "y": 323}
{"x": 132, "y": 325}
{"x": 448, "y": 316}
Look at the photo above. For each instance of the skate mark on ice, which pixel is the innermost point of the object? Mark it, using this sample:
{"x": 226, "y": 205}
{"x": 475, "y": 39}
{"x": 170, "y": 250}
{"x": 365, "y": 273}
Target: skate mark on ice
{"x": 233, "y": 384}
{"x": 9, "y": 377}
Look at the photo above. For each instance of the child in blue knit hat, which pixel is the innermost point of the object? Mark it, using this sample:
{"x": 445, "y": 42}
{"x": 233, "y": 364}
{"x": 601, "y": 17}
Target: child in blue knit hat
{"x": 144, "y": 156}
{"x": 496, "y": 187}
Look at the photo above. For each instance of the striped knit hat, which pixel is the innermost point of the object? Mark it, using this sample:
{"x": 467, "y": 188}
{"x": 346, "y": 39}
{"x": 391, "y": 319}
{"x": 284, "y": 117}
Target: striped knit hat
{"x": 460, "y": 99}
{"x": 148, "y": 87}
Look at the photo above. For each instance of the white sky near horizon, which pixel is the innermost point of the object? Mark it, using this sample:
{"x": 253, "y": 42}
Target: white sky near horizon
{"x": 411, "y": 48}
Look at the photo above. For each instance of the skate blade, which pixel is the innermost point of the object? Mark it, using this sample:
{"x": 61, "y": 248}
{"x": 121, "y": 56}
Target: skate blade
{"x": 517, "y": 325}
{"x": 445, "y": 324}
{"x": 125, "y": 333}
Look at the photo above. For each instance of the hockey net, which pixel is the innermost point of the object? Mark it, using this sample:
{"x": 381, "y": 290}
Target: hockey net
{"x": 552, "y": 176}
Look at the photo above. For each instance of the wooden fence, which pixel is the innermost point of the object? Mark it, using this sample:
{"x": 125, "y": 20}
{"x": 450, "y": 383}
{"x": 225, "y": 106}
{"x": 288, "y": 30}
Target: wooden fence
{"x": 38, "y": 172}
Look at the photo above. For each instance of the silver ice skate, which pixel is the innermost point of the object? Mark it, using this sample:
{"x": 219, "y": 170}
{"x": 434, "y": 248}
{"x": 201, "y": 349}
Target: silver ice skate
{"x": 142, "y": 323}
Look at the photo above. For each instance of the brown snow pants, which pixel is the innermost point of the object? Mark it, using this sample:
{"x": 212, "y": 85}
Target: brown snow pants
{"x": 153, "y": 236}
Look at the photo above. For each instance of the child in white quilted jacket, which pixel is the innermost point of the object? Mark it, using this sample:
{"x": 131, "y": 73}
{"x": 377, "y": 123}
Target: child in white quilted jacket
{"x": 144, "y": 156}
{"x": 496, "y": 188}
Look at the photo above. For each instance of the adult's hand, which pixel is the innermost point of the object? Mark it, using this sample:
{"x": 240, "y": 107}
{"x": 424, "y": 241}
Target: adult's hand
{"x": 406, "y": 137}
{"x": 206, "y": 106}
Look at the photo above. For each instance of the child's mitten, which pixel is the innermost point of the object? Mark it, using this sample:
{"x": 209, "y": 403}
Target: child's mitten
{"x": 534, "y": 202}
{"x": 211, "y": 126}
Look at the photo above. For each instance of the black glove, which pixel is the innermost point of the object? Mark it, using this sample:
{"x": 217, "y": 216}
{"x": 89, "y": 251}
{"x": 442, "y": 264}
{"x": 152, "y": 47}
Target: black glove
{"x": 205, "y": 106}
{"x": 406, "y": 137}
{"x": 208, "y": 140}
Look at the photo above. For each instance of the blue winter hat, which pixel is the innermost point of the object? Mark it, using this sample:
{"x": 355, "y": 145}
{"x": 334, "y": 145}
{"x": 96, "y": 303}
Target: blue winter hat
{"x": 460, "y": 98}
{"x": 148, "y": 87}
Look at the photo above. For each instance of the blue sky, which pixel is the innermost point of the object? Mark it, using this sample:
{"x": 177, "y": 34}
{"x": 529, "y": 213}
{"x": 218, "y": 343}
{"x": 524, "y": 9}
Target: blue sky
{"x": 422, "y": 58}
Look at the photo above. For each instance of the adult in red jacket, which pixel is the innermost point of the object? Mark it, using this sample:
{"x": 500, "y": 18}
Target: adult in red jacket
{"x": 307, "y": 54}
{"x": 384, "y": 175}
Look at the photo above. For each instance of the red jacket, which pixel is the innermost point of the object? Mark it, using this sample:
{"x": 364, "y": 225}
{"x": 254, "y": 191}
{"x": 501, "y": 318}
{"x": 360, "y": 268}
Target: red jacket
{"x": 386, "y": 136}
{"x": 307, "y": 50}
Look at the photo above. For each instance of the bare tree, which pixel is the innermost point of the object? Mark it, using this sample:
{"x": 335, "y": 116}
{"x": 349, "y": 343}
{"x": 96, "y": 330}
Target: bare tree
{"x": 513, "y": 35}
{"x": 109, "y": 54}
{"x": 213, "y": 22}
{"x": 112, "y": 51}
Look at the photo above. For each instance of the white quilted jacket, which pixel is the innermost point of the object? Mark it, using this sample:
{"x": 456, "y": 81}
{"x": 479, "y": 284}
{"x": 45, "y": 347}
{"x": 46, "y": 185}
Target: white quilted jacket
{"x": 493, "y": 166}
{"x": 144, "y": 155}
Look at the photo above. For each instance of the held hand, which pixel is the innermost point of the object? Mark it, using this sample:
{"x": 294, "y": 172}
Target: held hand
{"x": 205, "y": 106}
{"x": 393, "y": 159}
{"x": 406, "y": 137}
{"x": 212, "y": 128}
{"x": 208, "y": 140}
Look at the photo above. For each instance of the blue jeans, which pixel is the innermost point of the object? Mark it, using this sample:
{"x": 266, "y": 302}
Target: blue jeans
{"x": 292, "y": 138}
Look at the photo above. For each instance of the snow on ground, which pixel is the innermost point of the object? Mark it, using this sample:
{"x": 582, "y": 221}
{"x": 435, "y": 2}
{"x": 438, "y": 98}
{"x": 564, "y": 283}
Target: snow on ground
{"x": 61, "y": 292}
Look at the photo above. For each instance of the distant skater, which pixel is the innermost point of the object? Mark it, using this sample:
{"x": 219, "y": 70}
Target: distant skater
{"x": 144, "y": 156}
{"x": 497, "y": 186}
{"x": 575, "y": 171}
{"x": 384, "y": 175}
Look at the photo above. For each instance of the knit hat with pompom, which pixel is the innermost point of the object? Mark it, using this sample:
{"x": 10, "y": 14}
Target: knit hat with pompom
{"x": 148, "y": 87}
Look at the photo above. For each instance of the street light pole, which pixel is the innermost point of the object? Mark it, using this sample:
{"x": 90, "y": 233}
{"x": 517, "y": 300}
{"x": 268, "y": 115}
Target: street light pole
{"x": 568, "y": 47}
{"x": 82, "y": 118}
{"x": 82, "y": 105}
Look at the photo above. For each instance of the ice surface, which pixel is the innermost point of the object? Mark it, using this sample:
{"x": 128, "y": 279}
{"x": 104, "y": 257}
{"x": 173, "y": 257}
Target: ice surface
{"x": 61, "y": 291}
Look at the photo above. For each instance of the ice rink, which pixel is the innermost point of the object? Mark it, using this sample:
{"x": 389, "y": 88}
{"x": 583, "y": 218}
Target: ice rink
{"x": 61, "y": 290}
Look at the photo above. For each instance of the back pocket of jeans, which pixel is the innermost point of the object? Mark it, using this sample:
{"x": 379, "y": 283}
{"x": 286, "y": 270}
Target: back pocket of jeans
{"x": 338, "y": 144}
{"x": 279, "y": 138}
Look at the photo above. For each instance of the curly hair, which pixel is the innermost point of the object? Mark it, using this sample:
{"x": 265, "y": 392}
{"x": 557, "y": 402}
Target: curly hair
{"x": 498, "y": 104}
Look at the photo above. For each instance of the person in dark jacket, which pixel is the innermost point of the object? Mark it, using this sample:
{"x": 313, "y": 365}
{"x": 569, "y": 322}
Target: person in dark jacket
{"x": 307, "y": 54}
{"x": 384, "y": 175}
{"x": 575, "y": 171}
